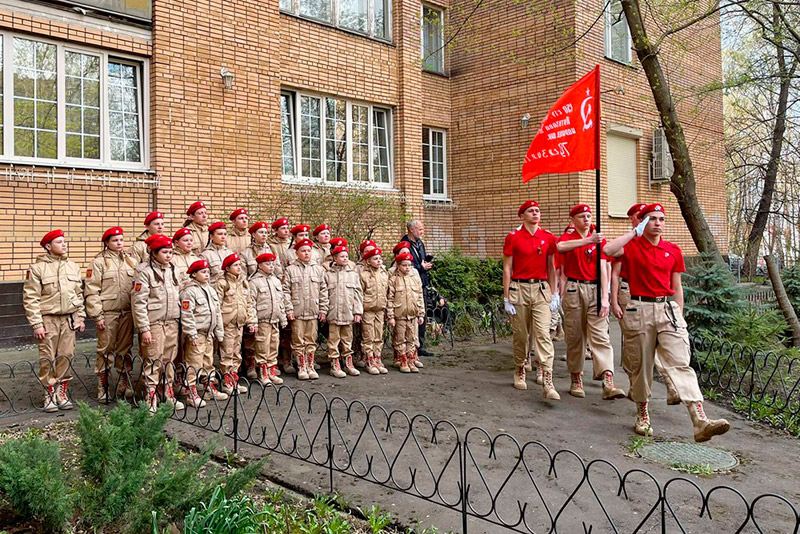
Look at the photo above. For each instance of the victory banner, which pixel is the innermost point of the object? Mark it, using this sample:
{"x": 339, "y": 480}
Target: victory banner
{"x": 569, "y": 138}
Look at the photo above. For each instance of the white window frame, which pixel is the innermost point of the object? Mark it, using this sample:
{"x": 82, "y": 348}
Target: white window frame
{"x": 298, "y": 178}
{"x": 443, "y": 194}
{"x": 105, "y": 162}
{"x": 422, "y": 9}
{"x": 295, "y": 10}
{"x": 609, "y": 49}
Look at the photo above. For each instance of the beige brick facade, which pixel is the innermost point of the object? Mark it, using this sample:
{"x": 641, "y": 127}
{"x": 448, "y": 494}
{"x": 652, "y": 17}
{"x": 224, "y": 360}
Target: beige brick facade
{"x": 216, "y": 145}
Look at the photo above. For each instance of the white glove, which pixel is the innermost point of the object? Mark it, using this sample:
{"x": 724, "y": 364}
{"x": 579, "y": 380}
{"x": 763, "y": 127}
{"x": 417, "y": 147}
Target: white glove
{"x": 640, "y": 227}
{"x": 555, "y": 303}
{"x": 510, "y": 309}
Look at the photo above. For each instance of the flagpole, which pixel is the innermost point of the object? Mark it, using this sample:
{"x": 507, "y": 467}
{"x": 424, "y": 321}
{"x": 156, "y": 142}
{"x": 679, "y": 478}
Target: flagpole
{"x": 598, "y": 207}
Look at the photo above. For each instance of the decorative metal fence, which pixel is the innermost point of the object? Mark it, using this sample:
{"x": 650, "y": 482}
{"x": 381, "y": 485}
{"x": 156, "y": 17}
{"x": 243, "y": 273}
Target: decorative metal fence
{"x": 484, "y": 478}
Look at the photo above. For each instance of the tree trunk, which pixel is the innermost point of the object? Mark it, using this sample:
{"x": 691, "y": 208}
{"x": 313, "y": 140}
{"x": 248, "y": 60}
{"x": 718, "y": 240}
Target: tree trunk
{"x": 783, "y": 299}
{"x": 771, "y": 175}
{"x": 682, "y": 183}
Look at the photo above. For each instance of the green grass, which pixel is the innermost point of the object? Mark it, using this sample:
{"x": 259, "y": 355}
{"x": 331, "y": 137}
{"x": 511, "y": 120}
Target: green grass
{"x": 693, "y": 469}
{"x": 636, "y": 443}
{"x": 765, "y": 412}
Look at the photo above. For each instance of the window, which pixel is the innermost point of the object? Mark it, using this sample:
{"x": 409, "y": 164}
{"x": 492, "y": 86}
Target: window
{"x": 70, "y": 106}
{"x": 434, "y": 169}
{"x": 339, "y": 141}
{"x": 432, "y": 39}
{"x": 369, "y": 17}
{"x": 621, "y": 160}
{"x": 618, "y": 37}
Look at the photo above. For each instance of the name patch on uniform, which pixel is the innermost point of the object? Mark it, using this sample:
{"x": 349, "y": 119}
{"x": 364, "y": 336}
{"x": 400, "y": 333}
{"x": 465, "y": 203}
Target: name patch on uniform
{"x": 88, "y": 273}
{"x": 185, "y": 304}
{"x": 137, "y": 287}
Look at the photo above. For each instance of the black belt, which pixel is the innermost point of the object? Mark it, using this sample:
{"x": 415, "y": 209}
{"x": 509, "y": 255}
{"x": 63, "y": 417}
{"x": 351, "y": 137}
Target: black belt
{"x": 528, "y": 280}
{"x": 591, "y": 282}
{"x": 649, "y": 299}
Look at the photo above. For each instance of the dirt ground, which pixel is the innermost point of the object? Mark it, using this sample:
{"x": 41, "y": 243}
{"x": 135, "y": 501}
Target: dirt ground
{"x": 470, "y": 386}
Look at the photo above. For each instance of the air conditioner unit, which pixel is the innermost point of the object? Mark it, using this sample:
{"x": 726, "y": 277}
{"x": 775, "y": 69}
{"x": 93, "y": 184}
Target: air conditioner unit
{"x": 661, "y": 167}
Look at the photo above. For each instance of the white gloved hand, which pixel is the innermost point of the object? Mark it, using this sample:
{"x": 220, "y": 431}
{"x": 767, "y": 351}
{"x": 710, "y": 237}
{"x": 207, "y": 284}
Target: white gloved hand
{"x": 510, "y": 309}
{"x": 641, "y": 225}
{"x": 555, "y": 303}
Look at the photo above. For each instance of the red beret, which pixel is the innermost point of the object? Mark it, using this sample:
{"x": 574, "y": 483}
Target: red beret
{"x": 300, "y": 228}
{"x": 403, "y": 257}
{"x": 303, "y": 243}
{"x": 194, "y": 207}
{"x": 283, "y": 221}
{"x": 181, "y": 233}
{"x": 198, "y": 265}
{"x": 49, "y": 236}
{"x": 267, "y": 256}
{"x": 150, "y": 238}
{"x": 152, "y": 216}
{"x": 372, "y": 252}
{"x": 236, "y": 213}
{"x": 158, "y": 241}
{"x": 650, "y": 208}
{"x": 580, "y": 208}
{"x": 633, "y": 210}
{"x": 229, "y": 260}
{"x": 337, "y": 250}
{"x": 321, "y": 228}
{"x": 111, "y": 232}
{"x": 366, "y": 243}
{"x": 255, "y": 227}
{"x": 339, "y": 242}
{"x": 219, "y": 225}
{"x": 400, "y": 246}
{"x": 525, "y": 205}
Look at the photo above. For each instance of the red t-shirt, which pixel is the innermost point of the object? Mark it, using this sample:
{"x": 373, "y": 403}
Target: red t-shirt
{"x": 529, "y": 252}
{"x": 581, "y": 263}
{"x": 649, "y": 267}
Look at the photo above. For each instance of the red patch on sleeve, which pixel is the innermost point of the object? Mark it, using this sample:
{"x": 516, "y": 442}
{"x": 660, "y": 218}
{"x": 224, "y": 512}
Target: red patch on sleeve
{"x": 137, "y": 287}
{"x": 88, "y": 273}
{"x": 185, "y": 304}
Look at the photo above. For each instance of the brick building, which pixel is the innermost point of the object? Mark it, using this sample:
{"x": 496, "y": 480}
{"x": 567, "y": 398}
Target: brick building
{"x": 112, "y": 108}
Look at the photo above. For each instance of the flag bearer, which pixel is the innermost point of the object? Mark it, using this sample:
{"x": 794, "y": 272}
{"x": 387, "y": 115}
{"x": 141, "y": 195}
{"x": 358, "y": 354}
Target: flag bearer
{"x": 651, "y": 320}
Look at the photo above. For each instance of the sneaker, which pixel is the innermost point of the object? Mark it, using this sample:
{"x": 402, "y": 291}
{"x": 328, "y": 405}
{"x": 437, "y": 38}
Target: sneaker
{"x": 170, "y": 399}
{"x": 228, "y": 383}
{"x": 241, "y": 387}
{"x": 50, "y": 405}
{"x": 273, "y": 375}
{"x": 62, "y": 397}
{"x": 213, "y": 393}
{"x": 193, "y": 399}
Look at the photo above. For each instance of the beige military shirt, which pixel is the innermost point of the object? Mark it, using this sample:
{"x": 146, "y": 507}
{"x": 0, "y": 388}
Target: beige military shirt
{"x": 304, "y": 290}
{"x": 109, "y": 281}
{"x": 155, "y": 295}
{"x": 215, "y": 255}
{"x": 53, "y": 287}
{"x": 200, "y": 311}
{"x": 238, "y": 240}
{"x": 182, "y": 260}
{"x": 199, "y": 237}
{"x": 236, "y": 300}
{"x": 345, "y": 296}
{"x": 280, "y": 247}
{"x": 139, "y": 251}
{"x": 375, "y": 283}
{"x": 268, "y": 296}
{"x": 405, "y": 299}
{"x": 252, "y": 252}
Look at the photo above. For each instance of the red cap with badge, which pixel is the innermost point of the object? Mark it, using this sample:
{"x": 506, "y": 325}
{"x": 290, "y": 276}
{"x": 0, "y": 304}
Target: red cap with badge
{"x": 580, "y": 208}
{"x": 403, "y": 256}
{"x": 366, "y": 243}
{"x": 198, "y": 265}
{"x": 321, "y": 228}
{"x": 236, "y": 213}
{"x": 152, "y": 216}
{"x": 111, "y": 232}
{"x": 283, "y": 221}
{"x": 303, "y": 243}
{"x": 156, "y": 242}
{"x": 194, "y": 207}
{"x": 339, "y": 242}
{"x": 183, "y": 232}
{"x": 229, "y": 260}
{"x": 633, "y": 210}
{"x": 49, "y": 236}
{"x": 372, "y": 252}
{"x": 650, "y": 208}
{"x": 525, "y": 205}
{"x": 400, "y": 246}
{"x": 300, "y": 228}
{"x": 338, "y": 250}
{"x": 267, "y": 256}
{"x": 219, "y": 225}
{"x": 256, "y": 226}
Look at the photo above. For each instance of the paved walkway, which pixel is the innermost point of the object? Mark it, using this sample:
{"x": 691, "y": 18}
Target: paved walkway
{"x": 470, "y": 385}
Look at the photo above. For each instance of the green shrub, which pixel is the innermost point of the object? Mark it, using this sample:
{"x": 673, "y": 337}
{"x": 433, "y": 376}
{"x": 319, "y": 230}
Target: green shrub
{"x": 467, "y": 279}
{"x": 757, "y": 328}
{"x": 228, "y": 516}
{"x": 791, "y": 281}
{"x": 711, "y": 297}
{"x": 32, "y": 479}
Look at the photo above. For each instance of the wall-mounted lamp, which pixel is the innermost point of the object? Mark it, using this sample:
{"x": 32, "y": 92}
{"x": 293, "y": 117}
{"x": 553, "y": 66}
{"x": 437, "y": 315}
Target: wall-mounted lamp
{"x": 525, "y": 120}
{"x": 618, "y": 90}
{"x": 227, "y": 77}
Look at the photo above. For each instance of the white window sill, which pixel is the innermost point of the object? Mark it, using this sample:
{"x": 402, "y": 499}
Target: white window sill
{"x": 287, "y": 180}
{"x": 55, "y": 164}
{"x": 442, "y": 203}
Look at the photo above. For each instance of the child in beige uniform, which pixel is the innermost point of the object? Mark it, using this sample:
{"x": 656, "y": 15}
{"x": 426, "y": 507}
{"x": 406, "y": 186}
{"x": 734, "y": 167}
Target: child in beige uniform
{"x": 405, "y": 311}
{"x": 344, "y": 307}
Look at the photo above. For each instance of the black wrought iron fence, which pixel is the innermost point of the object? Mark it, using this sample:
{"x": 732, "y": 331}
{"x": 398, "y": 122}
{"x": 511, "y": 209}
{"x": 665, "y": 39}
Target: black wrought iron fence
{"x": 758, "y": 382}
{"x": 496, "y": 479}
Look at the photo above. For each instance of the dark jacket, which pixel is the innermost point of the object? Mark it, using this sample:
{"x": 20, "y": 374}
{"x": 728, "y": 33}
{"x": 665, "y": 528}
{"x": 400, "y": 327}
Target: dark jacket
{"x": 418, "y": 253}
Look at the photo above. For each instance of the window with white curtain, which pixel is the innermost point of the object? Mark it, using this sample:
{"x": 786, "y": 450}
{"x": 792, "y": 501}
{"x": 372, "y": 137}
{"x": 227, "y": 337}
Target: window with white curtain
{"x": 71, "y": 105}
{"x": 621, "y": 161}
{"x": 339, "y": 141}
{"x": 368, "y": 17}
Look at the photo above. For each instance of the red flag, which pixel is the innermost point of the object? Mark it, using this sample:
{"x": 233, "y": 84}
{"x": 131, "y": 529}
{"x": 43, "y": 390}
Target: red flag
{"x": 569, "y": 138}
